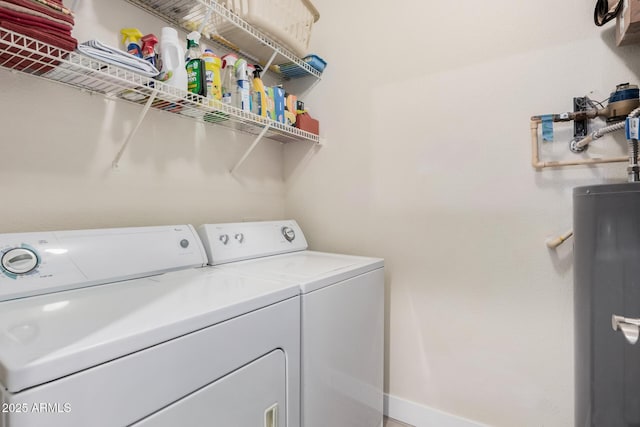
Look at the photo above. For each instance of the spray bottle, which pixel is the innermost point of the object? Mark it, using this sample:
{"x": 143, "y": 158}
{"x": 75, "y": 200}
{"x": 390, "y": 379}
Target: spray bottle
{"x": 149, "y": 48}
{"x": 242, "y": 88}
{"x": 251, "y": 71}
{"x": 259, "y": 93}
{"x": 196, "y": 73}
{"x": 131, "y": 40}
{"x": 229, "y": 96}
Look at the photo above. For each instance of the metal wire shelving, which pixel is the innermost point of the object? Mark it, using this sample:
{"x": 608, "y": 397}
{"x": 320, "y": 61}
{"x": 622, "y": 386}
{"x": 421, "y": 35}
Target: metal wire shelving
{"x": 203, "y": 15}
{"x": 26, "y": 55}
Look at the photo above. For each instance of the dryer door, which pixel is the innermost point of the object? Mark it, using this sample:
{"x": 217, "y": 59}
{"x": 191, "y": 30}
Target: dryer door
{"x": 252, "y": 396}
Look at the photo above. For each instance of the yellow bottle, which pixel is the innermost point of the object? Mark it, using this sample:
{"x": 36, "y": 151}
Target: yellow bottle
{"x": 213, "y": 67}
{"x": 259, "y": 94}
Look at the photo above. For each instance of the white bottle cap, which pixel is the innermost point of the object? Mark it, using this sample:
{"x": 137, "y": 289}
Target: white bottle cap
{"x": 169, "y": 33}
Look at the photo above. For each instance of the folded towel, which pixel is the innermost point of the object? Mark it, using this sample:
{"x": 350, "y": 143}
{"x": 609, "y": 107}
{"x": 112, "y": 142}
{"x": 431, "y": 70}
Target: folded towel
{"x": 102, "y": 52}
{"x": 57, "y": 5}
{"x": 61, "y": 41}
{"x": 13, "y": 57}
{"x": 39, "y": 7}
{"x": 22, "y": 9}
{"x": 32, "y": 21}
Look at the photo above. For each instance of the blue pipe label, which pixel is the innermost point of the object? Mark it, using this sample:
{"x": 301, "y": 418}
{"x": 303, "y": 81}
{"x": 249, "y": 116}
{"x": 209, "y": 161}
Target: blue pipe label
{"x": 631, "y": 128}
{"x": 547, "y": 128}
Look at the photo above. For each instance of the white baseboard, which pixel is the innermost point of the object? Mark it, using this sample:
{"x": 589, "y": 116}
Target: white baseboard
{"x": 422, "y": 416}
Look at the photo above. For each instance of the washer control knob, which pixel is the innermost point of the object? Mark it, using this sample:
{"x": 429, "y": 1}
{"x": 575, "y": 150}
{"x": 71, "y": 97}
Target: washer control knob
{"x": 240, "y": 237}
{"x": 224, "y": 238}
{"x": 19, "y": 260}
{"x": 288, "y": 233}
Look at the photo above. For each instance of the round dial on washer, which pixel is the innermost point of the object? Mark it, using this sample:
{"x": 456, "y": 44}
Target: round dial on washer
{"x": 288, "y": 233}
{"x": 19, "y": 260}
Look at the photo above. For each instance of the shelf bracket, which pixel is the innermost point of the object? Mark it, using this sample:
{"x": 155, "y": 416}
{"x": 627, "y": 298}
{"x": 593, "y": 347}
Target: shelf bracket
{"x": 206, "y": 19}
{"x": 144, "y": 112}
{"x": 270, "y": 61}
{"x": 251, "y": 148}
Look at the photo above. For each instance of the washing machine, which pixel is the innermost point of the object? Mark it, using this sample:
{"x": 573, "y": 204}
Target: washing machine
{"x": 126, "y": 327}
{"x": 342, "y": 315}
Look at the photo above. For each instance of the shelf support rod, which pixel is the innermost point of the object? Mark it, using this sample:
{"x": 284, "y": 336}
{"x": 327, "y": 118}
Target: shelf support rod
{"x": 144, "y": 112}
{"x": 253, "y": 146}
{"x": 270, "y": 61}
{"x": 205, "y": 20}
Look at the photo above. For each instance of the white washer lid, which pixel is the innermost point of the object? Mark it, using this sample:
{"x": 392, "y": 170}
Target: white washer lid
{"x": 46, "y": 337}
{"x": 311, "y": 270}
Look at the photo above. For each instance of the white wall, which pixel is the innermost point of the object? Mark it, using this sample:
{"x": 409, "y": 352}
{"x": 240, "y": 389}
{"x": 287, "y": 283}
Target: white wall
{"x": 58, "y": 144}
{"x": 426, "y": 109}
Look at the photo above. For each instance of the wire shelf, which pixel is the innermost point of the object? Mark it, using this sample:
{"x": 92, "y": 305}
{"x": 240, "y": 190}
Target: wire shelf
{"x": 30, "y": 56}
{"x": 197, "y": 15}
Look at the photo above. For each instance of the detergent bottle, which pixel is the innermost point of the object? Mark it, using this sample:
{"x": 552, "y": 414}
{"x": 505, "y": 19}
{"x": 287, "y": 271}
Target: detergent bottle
{"x": 259, "y": 93}
{"x": 149, "y": 43}
{"x": 131, "y": 40}
{"x": 196, "y": 73}
{"x": 212, "y": 65}
{"x": 173, "y": 70}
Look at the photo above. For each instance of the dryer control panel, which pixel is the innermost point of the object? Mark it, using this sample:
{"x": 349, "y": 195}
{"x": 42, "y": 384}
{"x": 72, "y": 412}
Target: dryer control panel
{"x": 247, "y": 240}
{"x": 39, "y": 263}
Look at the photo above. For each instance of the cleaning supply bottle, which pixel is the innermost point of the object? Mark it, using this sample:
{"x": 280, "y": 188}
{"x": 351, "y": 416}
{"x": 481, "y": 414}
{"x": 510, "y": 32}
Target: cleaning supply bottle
{"x": 229, "y": 96}
{"x": 149, "y": 48}
{"x": 196, "y": 73}
{"x": 131, "y": 40}
{"x": 173, "y": 70}
{"x": 242, "y": 87}
{"x": 212, "y": 65}
{"x": 259, "y": 93}
{"x": 251, "y": 71}
{"x": 277, "y": 93}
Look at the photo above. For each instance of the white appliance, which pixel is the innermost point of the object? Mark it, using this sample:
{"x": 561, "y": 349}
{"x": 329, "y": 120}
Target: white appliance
{"x": 188, "y": 348}
{"x": 342, "y": 309}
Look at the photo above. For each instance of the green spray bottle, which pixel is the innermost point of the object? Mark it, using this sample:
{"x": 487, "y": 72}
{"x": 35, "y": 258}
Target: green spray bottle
{"x": 196, "y": 72}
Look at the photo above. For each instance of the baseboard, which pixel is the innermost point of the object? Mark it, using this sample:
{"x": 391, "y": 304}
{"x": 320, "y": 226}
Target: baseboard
{"x": 422, "y": 416}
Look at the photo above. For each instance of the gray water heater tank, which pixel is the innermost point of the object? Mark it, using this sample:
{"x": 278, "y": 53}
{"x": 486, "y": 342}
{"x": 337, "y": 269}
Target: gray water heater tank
{"x": 606, "y": 221}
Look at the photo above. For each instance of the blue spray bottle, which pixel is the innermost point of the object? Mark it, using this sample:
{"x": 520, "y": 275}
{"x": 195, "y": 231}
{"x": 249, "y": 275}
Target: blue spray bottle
{"x": 243, "y": 85}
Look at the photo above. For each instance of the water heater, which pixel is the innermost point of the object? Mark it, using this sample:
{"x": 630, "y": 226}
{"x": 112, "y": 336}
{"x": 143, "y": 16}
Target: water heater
{"x": 606, "y": 305}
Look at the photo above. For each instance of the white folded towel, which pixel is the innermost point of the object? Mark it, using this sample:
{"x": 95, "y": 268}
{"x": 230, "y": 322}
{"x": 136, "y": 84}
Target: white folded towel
{"x": 98, "y": 50}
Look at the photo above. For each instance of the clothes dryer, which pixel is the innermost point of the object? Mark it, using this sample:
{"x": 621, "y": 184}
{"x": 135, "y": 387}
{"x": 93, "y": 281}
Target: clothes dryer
{"x": 342, "y": 315}
{"x": 122, "y": 327}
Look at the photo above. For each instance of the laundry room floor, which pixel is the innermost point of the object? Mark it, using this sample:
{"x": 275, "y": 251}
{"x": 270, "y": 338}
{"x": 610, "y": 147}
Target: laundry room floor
{"x": 390, "y": 422}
